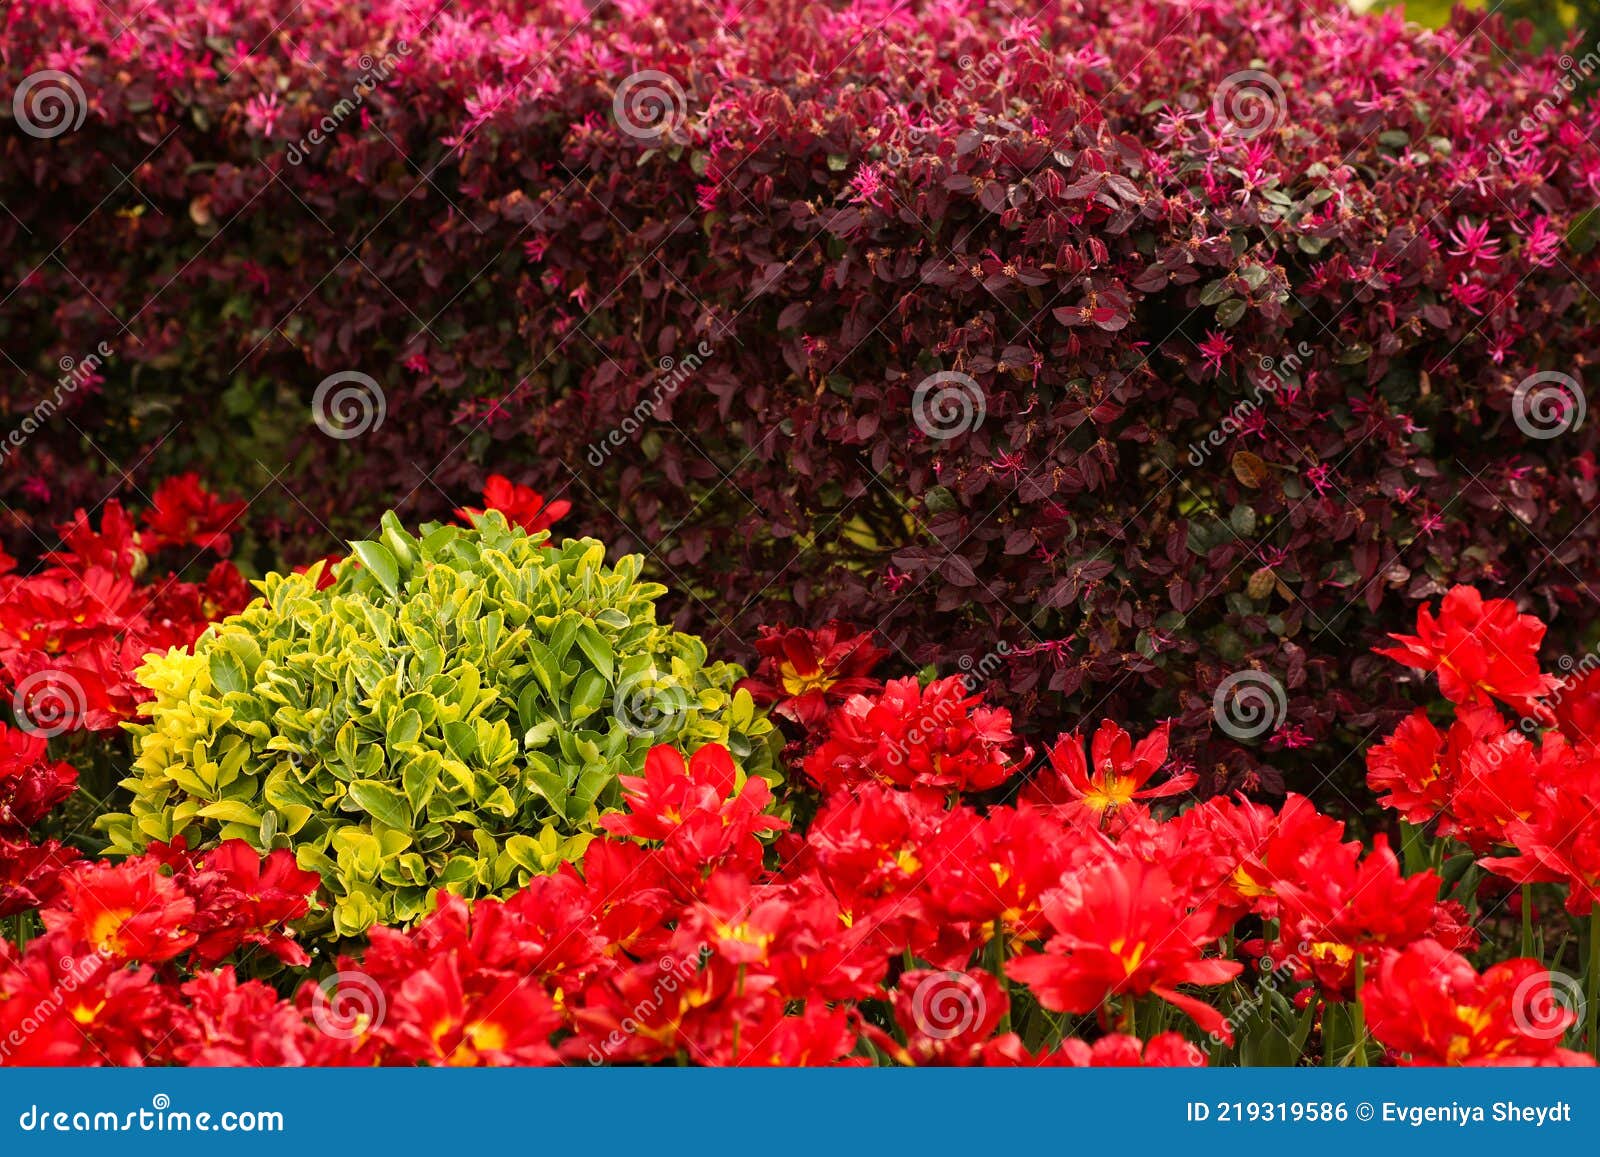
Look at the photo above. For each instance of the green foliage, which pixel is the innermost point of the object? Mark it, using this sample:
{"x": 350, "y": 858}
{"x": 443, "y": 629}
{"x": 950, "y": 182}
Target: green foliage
{"x": 454, "y": 712}
{"x": 1551, "y": 21}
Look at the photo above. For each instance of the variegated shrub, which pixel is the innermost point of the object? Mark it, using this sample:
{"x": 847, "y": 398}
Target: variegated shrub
{"x": 454, "y": 712}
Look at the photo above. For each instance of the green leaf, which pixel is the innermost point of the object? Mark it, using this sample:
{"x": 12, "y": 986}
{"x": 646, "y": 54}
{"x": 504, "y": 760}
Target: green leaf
{"x": 405, "y": 728}
{"x": 588, "y": 692}
{"x": 462, "y": 739}
{"x": 540, "y": 733}
{"x": 524, "y": 851}
{"x": 593, "y": 644}
{"x": 420, "y": 777}
{"x": 231, "y": 811}
{"x": 546, "y": 670}
{"x": 378, "y": 559}
{"x": 227, "y": 672}
{"x": 382, "y": 803}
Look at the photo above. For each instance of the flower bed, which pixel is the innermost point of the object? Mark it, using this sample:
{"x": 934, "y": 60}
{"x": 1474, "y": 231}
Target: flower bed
{"x": 920, "y": 888}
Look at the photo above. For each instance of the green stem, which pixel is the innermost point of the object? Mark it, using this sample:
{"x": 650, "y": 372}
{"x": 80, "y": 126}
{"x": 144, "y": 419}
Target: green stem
{"x": 1058, "y": 1028}
{"x": 1527, "y": 920}
{"x": 1591, "y": 994}
{"x": 1358, "y": 1017}
{"x": 999, "y": 954}
{"x": 1413, "y": 854}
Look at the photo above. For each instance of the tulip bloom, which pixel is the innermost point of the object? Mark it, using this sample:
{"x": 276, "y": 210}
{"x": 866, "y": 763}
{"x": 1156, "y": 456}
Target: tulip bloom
{"x": 1427, "y": 1005}
{"x": 523, "y": 506}
{"x": 1115, "y": 774}
{"x": 1480, "y": 648}
{"x": 1125, "y": 929}
{"x": 803, "y": 673}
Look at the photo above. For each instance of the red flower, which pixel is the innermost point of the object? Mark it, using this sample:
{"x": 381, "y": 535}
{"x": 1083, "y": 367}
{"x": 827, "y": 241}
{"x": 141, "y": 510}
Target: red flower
{"x": 1167, "y": 1050}
{"x": 435, "y": 1018}
{"x": 1343, "y": 906}
{"x": 114, "y": 546}
{"x": 1126, "y": 928}
{"x": 72, "y": 636}
{"x": 129, "y": 911}
{"x": 1577, "y": 708}
{"x": 92, "y": 689}
{"x": 817, "y": 1035}
{"x": 30, "y": 783}
{"x": 1479, "y": 648}
{"x": 946, "y": 1017}
{"x": 55, "y": 613}
{"x": 1115, "y": 774}
{"x": 522, "y": 505}
{"x": 225, "y": 1022}
{"x": 186, "y": 514}
{"x": 1427, "y": 1005}
{"x": 180, "y": 610}
{"x": 30, "y": 874}
{"x": 694, "y": 809}
{"x": 242, "y": 898}
{"x": 1559, "y": 842}
{"x": 63, "y": 1004}
{"x": 873, "y": 850}
{"x": 1015, "y": 856}
{"x": 803, "y": 672}
{"x": 1497, "y": 778}
{"x": 1405, "y": 766}
{"x": 937, "y": 737}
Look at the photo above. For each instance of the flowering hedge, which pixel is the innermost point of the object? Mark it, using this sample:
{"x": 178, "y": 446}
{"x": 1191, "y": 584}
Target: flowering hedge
{"x": 1244, "y": 301}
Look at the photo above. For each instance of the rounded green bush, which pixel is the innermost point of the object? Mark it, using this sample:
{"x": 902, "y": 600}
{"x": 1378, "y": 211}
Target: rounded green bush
{"x": 454, "y": 712}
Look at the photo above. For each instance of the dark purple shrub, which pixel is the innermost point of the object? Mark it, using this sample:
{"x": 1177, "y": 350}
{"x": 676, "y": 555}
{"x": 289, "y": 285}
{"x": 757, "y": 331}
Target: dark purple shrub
{"x": 1246, "y": 292}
